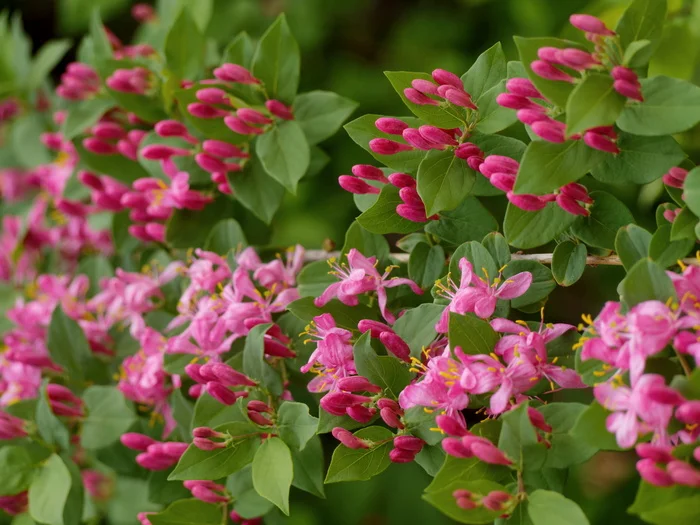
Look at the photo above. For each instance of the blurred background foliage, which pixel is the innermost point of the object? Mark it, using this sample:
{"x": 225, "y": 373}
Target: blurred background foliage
{"x": 346, "y": 48}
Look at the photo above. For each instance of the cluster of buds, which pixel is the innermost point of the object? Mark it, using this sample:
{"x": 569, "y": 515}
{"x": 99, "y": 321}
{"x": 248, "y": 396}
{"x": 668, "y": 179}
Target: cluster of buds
{"x": 14, "y": 504}
{"x": 63, "y": 402}
{"x": 356, "y": 406}
{"x": 391, "y": 413}
{"x": 659, "y": 467}
{"x": 258, "y": 412}
{"x": 105, "y": 192}
{"x": 207, "y": 491}
{"x": 205, "y": 438}
{"x": 98, "y": 485}
{"x": 349, "y": 440}
{"x": 535, "y": 111}
{"x": 496, "y": 500}
{"x": 424, "y": 138}
{"x": 154, "y": 455}
{"x": 108, "y": 137}
{"x": 393, "y": 343}
{"x": 670, "y": 214}
{"x": 448, "y": 88}
{"x": 675, "y": 177}
{"x": 405, "y": 449}
{"x": 11, "y": 427}
{"x": 464, "y": 444}
{"x": 137, "y": 80}
{"x": 217, "y": 379}
{"x": 79, "y": 82}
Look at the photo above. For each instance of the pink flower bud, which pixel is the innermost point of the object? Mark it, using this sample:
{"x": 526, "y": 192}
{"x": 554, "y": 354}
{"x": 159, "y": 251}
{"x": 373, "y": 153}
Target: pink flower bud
{"x": 156, "y": 231}
{"x": 466, "y": 503}
{"x": 385, "y": 402}
{"x": 549, "y": 54}
{"x": 259, "y": 419}
{"x": 374, "y": 327}
{"x": 336, "y": 402}
{"x": 259, "y": 406}
{"x": 500, "y": 164}
{"x": 570, "y": 205}
{"x": 489, "y": 453}
{"x": 436, "y": 135}
{"x": 424, "y": 86}
{"x": 221, "y": 149}
{"x": 666, "y": 395}
{"x": 356, "y": 186}
{"x": 451, "y": 426}
{"x": 128, "y": 149}
{"x": 653, "y": 474}
{"x": 512, "y": 101}
{"x": 391, "y": 418}
{"x": 402, "y": 180}
{"x": 251, "y": 116}
{"x": 392, "y": 126}
{"x": 143, "y": 13}
{"x": 347, "y": 439}
{"x": 174, "y": 449}
{"x": 361, "y": 413}
{"x": 398, "y": 455}
{"x": 523, "y": 87}
{"x": 213, "y": 96}
{"x": 689, "y": 412}
{"x": 416, "y": 97}
{"x": 530, "y": 116}
{"x": 410, "y": 196}
{"x": 455, "y": 447}
{"x": 629, "y": 90}
{"x": 221, "y": 393}
{"x": 503, "y": 181}
{"x": 549, "y": 72}
{"x": 207, "y": 495}
{"x": 590, "y": 24}
{"x": 684, "y": 474}
{"x": 670, "y": 215}
{"x": 357, "y": 384}
{"x": 230, "y": 376}
{"x": 445, "y": 77}
{"x": 550, "y": 130}
{"x": 410, "y": 443}
{"x": 136, "y": 441}
{"x": 467, "y": 150}
{"x": 235, "y": 73}
{"x": 576, "y": 59}
{"x": 162, "y": 151}
{"x": 537, "y": 419}
{"x": 600, "y": 142}
{"x": 475, "y": 163}
{"x": 577, "y": 192}
{"x": 657, "y": 453}
{"x": 459, "y": 98}
{"x": 108, "y": 131}
{"x": 494, "y": 500}
{"x": 626, "y": 74}
{"x": 279, "y": 109}
{"x": 396, "y": 345}
{"x": 238, "y": 126}
{"x": 413, "y": 137}
{"x": 206, "y": 432}
{"x": 365, "y": 171}
{"x": 151, "y": 462}
{"x": 98, "y": 146}
{"x": 411, "y": 213}
{"x": 387, "y": 147}
{"x": 526, "y": 201}
{"x": 205, "y": 111}
{"x": 274, "y": 348}
{"x": 675, "y": 177}
{"x": 170, "y": 128}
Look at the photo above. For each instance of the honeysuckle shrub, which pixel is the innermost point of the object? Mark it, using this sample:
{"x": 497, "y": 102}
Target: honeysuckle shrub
{"x": 151, "y": 333}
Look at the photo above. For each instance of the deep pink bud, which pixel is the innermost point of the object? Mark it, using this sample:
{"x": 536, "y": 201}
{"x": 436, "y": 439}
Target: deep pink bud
{"x": 537, "y": 419}
{"x": 398, "y": 455}
{"x": 675, "y": 177}
{"x": 365, "y": 171}
{"x": 170, "y": 128}
{"x": 259, "y": 406}
{"x": 238, "y": 126}
{"x": 466, "y": 503}
{"x": 577, "y": 192}
{"x": 356, "y": 186}
{"x": 336, "y": 402}
{"x": 162, "y": 152}
{"x": 501, "y": 164}
{"x": 151, "y": 462}
{"x": 391, "y": 418}
{"x": 503, "y": 181}
{"x": 512, "y": 101}
{"x": 526, "y": 201}
{"x": 626, "y": 74}
{"x": 234, "y": 73}
{"x": 213, "y": 95}
{"x": 653, "y": 474}
{"x": 549, "y": 72}
{"x": 222, "y": 394}
{"x": 666, "y": 395}
{"x": 576, "y": 59}
{"x": 205, "y": 111}
{"x": 600, "y": 142}
{"x": 523, "y": 87}
{"x": 442, "y": 76}
{"x": 402, "y": 180}
{"x": 259, "y": 419}
{"x": 548, "y": 54}
{"x": 251, "y": 116}
{"x": 279, "y": 109}
{"x": 396, "y": 345}
{"x": 684, "y": 474}
{"x": 413, "y": 137}
{"x": 136, "y": 441}
{"x": 436, "y": 135}
{"x": 392, "y": 126}
{"x": 275, "y": 348}
{"x": 347, "y": 439}
{"x": 412, "y": 213}
{"x": 229, "y": 376}
{"x": 410, "y": 196}
{"x": 657, "y": 453}
{"x": 489, "y": 453}
{"x": 689, "y": 412}
{"x": 590, "y": 24}
{"x": 530, "y": 116}
{"x": 388, "y": 147}
{"x": 550, "y": 130}
{"x": 494, "y": 500}
{"x": 207, "y": 495}
{"x": 416, "y": 97}
{"x": 224, "y": 150}
{"x": 455, "y": 447}
{"x": 108, "y": 131}
{"x": 459, "y": 98}
{"x": 206, "y": 432}
{"x": 451, "y": 426}
{"x": 361, "y": 413}
{"x": 629, "y": 90}
{"x": 385, "y": 402}
{"x": 467, "y": 150}
{"x": 209, "y": 163}
{"x": 410, "y": 443}
{"x": 424, "y": 86}
{"x": 98, "y": 146}
{"x": 570, "y": 205}
{"x": 375, "y": 327}
{"x": 174, "y": 449}
{"x": 357, "y": 384}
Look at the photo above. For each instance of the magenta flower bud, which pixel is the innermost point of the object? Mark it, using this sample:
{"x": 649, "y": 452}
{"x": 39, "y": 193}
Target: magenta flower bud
{"x": 127, "y": 149}
{"x": 251, "y": 116}
{"x": 570, "y": 205}
{"x": 61, "y": 393}
{"x": 108, "y": 131}
{"x": 395, "y": 344}
{"x": 375, "y": 327}
{"x": 653, "y": 474}
{"x": 162, "y": 152}
{"x": 501, "y": 164}
{"x": 229, "y": 376}
{"x": 238, "y": 126}
{"x": 576, "y": 59}
{"x": 402, "y": 180}
{"x": 424, "y": 86}
{"x": 548, "y": 54}
{"x": 675, "y": 177}
{"x": 461, "y": 493}
{"x": 436, "y": 135}
{"x": 455, "y": 447}
{"x": 336, "y": 402}
{"x": 442, "y": 76}
{"x": 259, "y": 419}
{"x": 205, "y": 111}
{"x": 206, "y": 432}
{"x": 414, "y": 137}
{"x": 489, "y": 453}
{"x": 626, "y": 74}
{"x": 207, "y": 495}
{"x": 174, "y": 449}
{"x": 385, "y": 402}
{"x": 549, "y": 72}
{"x": 279, "y": 109}
{"x": 526, "y": 201}
{"x": 537, "y": 420}
{"x": 689, "y": 412}
{"x": 392, "y": 126}
{"x": 503, "y": 181}
{"x": 194, "y": 371}
{"x": 347, "y": 439}
{"x": 451, "y": 426}
{"x": 151, "y": 462}
{"x": 666, "y": 396}
{"x": 657, "y": 453}
{"x": 466, "y": 503}
{"x": 577, "y": 192}
{"x": 410, "y": 443}
{"x": 361, "y": 413}
{"x": 213, "y": 96}
{"x": 136, "y": 441}
{"x": 139, "y": 231}
{"x": 235, "y": 73}
{"x": 356, "y": 186}
{"x": 683, "y": 474}
{"x": 512, "y": 101}
{"x": 629, "y": 90}
{"x": 365, "y": 171}
{"x": 474, "y": 162}
{"x": 387, "y": 147}
{"x": 259, "y": 406}
{"x": 82, "y": 71}
{"x": 98, "y": 146}
{"x": 600, "y": 142}
{"x": 494, "y": 500}
{"x": 415, "y": 96}
{"x": 391, "y": 418}
{"x": 357, "y": 384}
{"x": 222, "y": 149}
{"x": 670, "y": 215}
{"x": 410, "y": 196}
{"x": 550, "y": 130}
{"x": 170, "y": 128}
{"x": 221, "y": 393}
{"x": 523, "y": 87}
{"x": 398, "y": 455}
{"x": 209, "y": 163}
{"x": 590, "y": 24}
{"x": 530, "y": 116}
{"x": 274, "y": 348}
{"x": 411, "y": 213}
{"x": 459, "y": 98}
{"x": 467, "y": 150}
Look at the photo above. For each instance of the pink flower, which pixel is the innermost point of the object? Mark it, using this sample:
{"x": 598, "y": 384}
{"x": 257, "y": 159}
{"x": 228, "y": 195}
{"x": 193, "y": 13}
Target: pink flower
{"x": 281, "y": 273}
{"x": 332, "y": 359}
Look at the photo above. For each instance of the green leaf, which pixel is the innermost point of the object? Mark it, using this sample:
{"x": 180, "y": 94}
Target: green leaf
{"x": 254, "y": 364}
{"x": 417, "y": 326}
{"x": 364, "y": 463}
{"x": 568, "y": 262}
{"x": 185, "y": 55}
{"x": 49, "y": 491}
{"x": 551, "y": 508}
{"x": 296, "y": 426}
{"x": 492, "y": 116}
{"x": 484, "y": 265}
{"x": 590, "y": 428}
{"x": 202, "y": 464}
{"x": 226, "y": 237}
{"x": 386, "y": 371}
{"x": 208, "y": 412}
{"x": 364, "y": 242}
{"x": 50, "y": 428}
{"x": 382, "y": 217}
{"x": 518, "y": 439}
{"x": 190, "y": 228}
{"x": 313, "y": 279}
{"x": 635, "y": 48}
{"x": 321, "y": 113}
{"x": 426, "y": 264}
{"x": 684, "y": 225}
{"x": 632, "y": 244}
{"x": 471, "y": 334}
{"x": 497, "y": 246}
{"x": 100, "y": 42}
{"x": 109, "y": 416}
{"x": 256, "y": 190}
{"x": 345, "y": 316}
{"x": 565, "y": 450}
{"x": 18, "y": 469}
{"x": 240, "y": 50}
{"x": 24, "y": 139}
{"x": 96, "y": 267}
{"x": 188, "y": 512}
{"x": 362, "y": 130}
{"x": 542, "y": 282}
{"x": 431, "y": 458}
{"x": 308, "y": 468}
{"x": 117, "y": 166}
{"x": 691, "y": 190}
{"x": 68, "y": 345}
{"x": 45, "y": 60}
{"x": 163, "y": 492}
{"x": 444, "y": 501}
{"x": 284, "y": 153}
{"x": 594, "y": 102}
{"x": 547, "y": 166}
{"x": 527, "y": 229}
{"x": 183, "y": 412}
{"x": 642, "y": 20}
{"x": 444, "y": 180}
{"x": 670, "y": 106}
{"x": 443, "y": 115}
{"x": 608, "y": 215}
{"x": 646, "y": 281}
{"x": 675, "y": 505}
{"x": 247, "y": 502}
{"x": 273, "y": 471}
{"x": 641, "y": 159}
{"x": 277, "y": 62}
{"x": 470, "y": 221}
{"x": 666, "y": 252}
{"x": 489, "y": 69}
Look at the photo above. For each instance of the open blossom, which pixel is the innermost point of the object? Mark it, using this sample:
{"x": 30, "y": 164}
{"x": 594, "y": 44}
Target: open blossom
{"x": 332, "y": 359}
{"x": 479, "y": 295}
